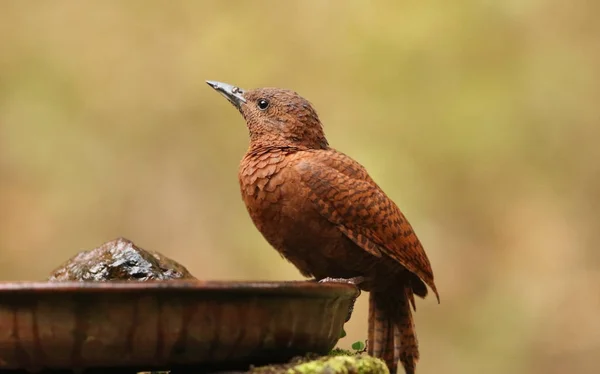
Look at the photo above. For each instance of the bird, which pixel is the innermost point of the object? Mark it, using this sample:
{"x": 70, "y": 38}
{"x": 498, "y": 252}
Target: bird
{"x": 322, "y": 211}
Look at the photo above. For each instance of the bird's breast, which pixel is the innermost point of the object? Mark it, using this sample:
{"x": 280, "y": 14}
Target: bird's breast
{"x": 278, "y": 202}
{"x": 270, "y": 189}
{"x": 280, "y": 208}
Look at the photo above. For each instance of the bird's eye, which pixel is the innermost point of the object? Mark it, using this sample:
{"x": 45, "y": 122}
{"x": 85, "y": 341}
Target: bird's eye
{"x": 262, "y": 104}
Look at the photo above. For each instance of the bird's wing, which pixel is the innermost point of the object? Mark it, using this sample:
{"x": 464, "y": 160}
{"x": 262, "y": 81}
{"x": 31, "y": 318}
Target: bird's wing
{"x": 345, "y": 195}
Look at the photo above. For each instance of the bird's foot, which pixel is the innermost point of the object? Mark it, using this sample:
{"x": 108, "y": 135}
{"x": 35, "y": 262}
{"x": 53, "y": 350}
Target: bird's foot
{"x": 355, "y": 281}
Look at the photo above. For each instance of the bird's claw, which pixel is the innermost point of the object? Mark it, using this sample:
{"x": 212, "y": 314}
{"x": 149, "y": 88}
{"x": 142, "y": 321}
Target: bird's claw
{"x": 355, "y": 281}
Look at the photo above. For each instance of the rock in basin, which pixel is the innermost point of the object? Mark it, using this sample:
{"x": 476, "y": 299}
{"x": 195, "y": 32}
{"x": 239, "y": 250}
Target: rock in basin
{"x": 119, "y": 259}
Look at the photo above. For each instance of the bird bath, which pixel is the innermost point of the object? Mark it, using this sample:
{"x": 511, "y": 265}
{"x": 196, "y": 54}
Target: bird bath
{"x": 167, "y": 324}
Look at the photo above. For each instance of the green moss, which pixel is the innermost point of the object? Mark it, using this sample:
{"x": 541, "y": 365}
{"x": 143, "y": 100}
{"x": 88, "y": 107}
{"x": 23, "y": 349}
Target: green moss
{"x": 341, "y": 352}
{"x": 338, "y": 362}
{"x": 342, "y": 364}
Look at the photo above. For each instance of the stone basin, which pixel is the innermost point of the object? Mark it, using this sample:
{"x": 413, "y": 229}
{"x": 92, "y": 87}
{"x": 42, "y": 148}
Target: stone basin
{"x": 167, "y": 324}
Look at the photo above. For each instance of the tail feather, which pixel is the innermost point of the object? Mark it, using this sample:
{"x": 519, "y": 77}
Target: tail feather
{"x": 392, "y": 334}
{"x": 381, "y": 332}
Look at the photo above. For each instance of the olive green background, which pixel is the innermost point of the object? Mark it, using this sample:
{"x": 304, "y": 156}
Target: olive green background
{"x": 479, "y": 118}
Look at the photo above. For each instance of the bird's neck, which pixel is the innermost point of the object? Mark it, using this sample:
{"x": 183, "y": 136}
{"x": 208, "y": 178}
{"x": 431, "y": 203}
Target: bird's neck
{"x": 261, "y": 148}
{"x": 262, "y": 143}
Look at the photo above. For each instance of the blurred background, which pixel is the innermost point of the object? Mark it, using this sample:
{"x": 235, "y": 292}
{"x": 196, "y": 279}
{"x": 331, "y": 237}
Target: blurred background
{"x": 480, "y": 119}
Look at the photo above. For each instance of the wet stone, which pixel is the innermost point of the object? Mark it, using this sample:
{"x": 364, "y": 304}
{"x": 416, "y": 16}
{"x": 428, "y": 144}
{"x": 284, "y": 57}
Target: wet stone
{"x": 119, "y": 260}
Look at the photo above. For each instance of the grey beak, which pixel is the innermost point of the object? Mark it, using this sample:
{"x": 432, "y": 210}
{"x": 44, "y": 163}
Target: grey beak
{"x": 232, "y": 93}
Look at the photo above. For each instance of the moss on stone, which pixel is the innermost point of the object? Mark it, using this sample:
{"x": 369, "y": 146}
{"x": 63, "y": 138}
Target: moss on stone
{"x": 341, "y": 352}
{"x": 342, "y": 364}
{"x": 339, "y": 362}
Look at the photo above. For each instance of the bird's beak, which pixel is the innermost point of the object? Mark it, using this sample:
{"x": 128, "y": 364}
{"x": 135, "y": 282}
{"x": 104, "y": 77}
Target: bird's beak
{"x": 235, "y": 95}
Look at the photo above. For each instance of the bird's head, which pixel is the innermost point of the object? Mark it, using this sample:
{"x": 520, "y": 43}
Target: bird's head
{"x": 276, "y": 117}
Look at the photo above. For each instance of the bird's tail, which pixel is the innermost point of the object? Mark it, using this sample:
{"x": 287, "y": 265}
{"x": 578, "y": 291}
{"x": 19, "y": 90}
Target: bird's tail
{"x": 392, "y": 334}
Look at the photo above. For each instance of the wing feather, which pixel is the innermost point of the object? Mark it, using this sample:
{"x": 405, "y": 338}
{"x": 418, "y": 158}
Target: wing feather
{"x": 344, "y": 194}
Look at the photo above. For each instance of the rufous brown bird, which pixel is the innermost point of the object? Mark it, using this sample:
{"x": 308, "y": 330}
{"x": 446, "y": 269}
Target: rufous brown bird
{"x": 322, "y": 211}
